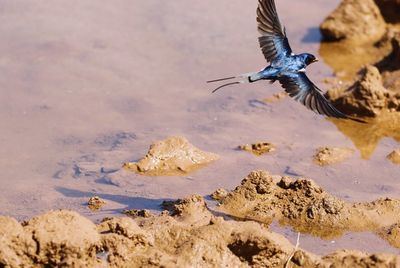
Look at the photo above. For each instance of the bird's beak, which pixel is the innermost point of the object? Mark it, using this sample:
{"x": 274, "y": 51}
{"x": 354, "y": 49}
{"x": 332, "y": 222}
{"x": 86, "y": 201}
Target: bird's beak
{"x": 315, "y": 60}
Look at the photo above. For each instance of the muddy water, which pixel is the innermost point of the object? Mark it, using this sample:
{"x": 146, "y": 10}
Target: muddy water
{"x": 85, "y": 86}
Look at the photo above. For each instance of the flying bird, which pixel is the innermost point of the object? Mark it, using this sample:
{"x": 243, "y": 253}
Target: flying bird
{"x": 285, "y": 66}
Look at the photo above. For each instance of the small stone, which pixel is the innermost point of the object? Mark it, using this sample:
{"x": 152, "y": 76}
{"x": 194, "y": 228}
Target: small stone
{"x": 95, "y": 203}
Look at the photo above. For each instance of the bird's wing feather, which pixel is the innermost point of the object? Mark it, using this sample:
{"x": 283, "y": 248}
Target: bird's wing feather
{"x": 300, "y": 87}
{"x": 273, "y": 40}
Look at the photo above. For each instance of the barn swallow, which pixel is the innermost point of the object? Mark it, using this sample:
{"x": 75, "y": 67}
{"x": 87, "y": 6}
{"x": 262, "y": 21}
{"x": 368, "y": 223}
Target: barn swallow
{"x": 285, "y": 66}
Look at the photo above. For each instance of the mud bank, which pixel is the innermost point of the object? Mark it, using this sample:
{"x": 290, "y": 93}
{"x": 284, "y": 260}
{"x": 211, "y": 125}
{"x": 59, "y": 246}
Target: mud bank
{"x": 188, "y": 235}
{"x": 306, "y": 207}
{"x": 173, "y": 156}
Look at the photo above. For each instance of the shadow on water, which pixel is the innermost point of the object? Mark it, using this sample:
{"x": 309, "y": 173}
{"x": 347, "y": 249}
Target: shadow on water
{"x": 366, "y": 137}
{"x": 129, "y": 201}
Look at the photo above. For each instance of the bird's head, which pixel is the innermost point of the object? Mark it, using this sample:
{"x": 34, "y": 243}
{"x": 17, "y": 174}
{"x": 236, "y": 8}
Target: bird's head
{"x": 308, "y": 58}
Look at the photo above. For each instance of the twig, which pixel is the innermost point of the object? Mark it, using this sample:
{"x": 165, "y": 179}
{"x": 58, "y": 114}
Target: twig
{"x": 294, "y": 251}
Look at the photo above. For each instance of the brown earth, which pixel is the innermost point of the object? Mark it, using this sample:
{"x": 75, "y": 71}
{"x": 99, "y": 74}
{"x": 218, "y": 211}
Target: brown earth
{"x": 331, "y": 155}
{"x": 307, "y": 207}
{"x": 189, "y": 235}
{"x": 258, "y": 148}
{"x": 173, "y": 156}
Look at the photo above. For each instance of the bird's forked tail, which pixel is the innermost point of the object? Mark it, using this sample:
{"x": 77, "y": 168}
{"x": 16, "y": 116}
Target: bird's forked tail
{"x": 242, "y": 78}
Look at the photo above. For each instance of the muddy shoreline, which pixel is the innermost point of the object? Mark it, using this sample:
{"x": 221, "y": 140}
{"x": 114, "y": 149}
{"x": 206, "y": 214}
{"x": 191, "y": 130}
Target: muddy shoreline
{"x": 106, "y": 114}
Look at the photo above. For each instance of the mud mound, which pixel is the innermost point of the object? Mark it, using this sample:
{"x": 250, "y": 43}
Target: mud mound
{"x": 328, "y": 156}
{"x": 305, "y": 206}
{"x": 394, "y": 157}
{"x": 173, "y": 156}
{"x": 58, "y": 238}
{"x": 366, "y": 97}
{"x": 193, "y": 237}
{"x": 64, "y": 238}
{"x": 258, "y": 149}
{"x": 353, "y": 19}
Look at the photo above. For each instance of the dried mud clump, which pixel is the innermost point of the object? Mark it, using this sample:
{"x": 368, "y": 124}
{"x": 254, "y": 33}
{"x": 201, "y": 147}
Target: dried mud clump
{"x": 366, "y": 97}
{"x": 305, "y": 206}
{"x": 95, "y": 203}
{"x": 64, "y": 238}
{"x": 258, "y": 149}
{"x": 394, "y": 157}
{"x": 58, "y": 238}
{"x": 138, "y": 213}
{"x": 173, "y": 156}
{"x": 194, "y": 237}
{"x": 353, "y": 19}
{"x": 331, "y": 155}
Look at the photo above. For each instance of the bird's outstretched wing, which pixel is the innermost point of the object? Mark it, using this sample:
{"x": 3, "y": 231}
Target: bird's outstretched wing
{"x": 273, "y": 40}
{"x": 300, "y": 87}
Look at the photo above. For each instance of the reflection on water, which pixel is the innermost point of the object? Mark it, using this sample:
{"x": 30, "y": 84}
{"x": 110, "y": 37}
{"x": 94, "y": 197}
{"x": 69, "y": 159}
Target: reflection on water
{"x": 367, "y": 136}
{"x": 347, "y": 57}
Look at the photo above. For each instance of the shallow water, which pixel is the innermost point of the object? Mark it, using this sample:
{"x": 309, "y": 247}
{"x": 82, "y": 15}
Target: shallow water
{"x": 84, "y": 82}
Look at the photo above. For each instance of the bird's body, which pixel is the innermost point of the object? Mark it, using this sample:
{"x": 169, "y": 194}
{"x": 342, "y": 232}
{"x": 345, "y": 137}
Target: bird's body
{"x": 285, "y": 66}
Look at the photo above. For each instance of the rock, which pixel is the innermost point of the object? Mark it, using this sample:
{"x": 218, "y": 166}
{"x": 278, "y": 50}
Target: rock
{"x": 354, "y": 19}
{"x": 331, "y": 155}
{"x": 173, "y": 156}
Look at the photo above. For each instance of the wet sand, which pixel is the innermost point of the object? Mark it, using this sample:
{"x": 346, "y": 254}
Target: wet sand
{"x": 83, "y": 93}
